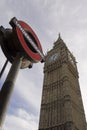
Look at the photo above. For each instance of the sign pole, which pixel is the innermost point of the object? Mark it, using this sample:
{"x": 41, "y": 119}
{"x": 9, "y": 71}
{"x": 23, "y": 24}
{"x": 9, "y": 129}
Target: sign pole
{"x": 21, "y": 38}
{"x": 1, "y": 73}
{"x": 8, "y": 86}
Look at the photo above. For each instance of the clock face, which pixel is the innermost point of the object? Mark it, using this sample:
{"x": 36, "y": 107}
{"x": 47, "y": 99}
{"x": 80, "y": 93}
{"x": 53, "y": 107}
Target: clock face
{"x": 54, "y": 56}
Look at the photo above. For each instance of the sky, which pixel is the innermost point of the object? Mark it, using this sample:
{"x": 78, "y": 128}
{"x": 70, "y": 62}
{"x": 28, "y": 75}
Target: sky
{"x": 48, "y": 18}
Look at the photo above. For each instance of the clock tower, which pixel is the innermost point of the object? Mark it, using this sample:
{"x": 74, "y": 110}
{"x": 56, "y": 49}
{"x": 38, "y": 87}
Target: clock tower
{"x": 61, "y": 106}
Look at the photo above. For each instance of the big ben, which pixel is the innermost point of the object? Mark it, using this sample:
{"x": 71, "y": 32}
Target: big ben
{"x": 61, "y": 105}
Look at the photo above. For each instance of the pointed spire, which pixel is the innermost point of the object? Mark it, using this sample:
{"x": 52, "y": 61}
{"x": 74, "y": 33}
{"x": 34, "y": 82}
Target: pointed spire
{"x": 59, "y": 38}
{"x": 59, "y": 35}
{"x": 59, "y": 41}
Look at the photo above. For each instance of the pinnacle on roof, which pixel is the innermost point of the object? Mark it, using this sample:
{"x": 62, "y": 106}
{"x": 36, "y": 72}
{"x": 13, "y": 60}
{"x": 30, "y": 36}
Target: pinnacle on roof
{"x": 59, "y": 36}
{"x": 59, "y": 40}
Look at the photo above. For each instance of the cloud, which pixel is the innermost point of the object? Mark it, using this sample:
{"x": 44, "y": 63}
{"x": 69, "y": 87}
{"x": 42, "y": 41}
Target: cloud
{"x": 29, "y": 90}
{"x": 21, "y": 121}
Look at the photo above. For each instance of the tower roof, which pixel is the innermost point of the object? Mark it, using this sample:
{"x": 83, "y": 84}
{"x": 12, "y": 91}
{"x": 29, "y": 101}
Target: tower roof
{"x": 59, "y": 38}
{"x": 59, "y": 42}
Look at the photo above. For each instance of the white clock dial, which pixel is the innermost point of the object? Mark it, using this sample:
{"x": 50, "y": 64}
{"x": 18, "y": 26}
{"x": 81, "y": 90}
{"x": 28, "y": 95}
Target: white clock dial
{"x": 54, "y": 56}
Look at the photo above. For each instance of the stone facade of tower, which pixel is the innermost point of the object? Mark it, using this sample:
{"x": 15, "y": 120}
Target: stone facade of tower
{"x": 61, "y": 106}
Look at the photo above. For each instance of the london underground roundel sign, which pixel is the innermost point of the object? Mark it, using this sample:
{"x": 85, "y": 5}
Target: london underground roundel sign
{"x": 28, "y": 40}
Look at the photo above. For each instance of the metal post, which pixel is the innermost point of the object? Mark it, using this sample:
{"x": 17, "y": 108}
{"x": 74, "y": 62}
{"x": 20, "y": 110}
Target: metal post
{"x": 7, "y": 87}
{"x": 3, "y": 68}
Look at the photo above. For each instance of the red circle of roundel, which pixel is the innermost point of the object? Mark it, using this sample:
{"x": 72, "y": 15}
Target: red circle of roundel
{"x": 34, "y": 56}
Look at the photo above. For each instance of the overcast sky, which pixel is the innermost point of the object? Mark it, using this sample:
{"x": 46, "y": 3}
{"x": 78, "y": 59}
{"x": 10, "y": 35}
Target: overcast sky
{"x": 47, "y": 18}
